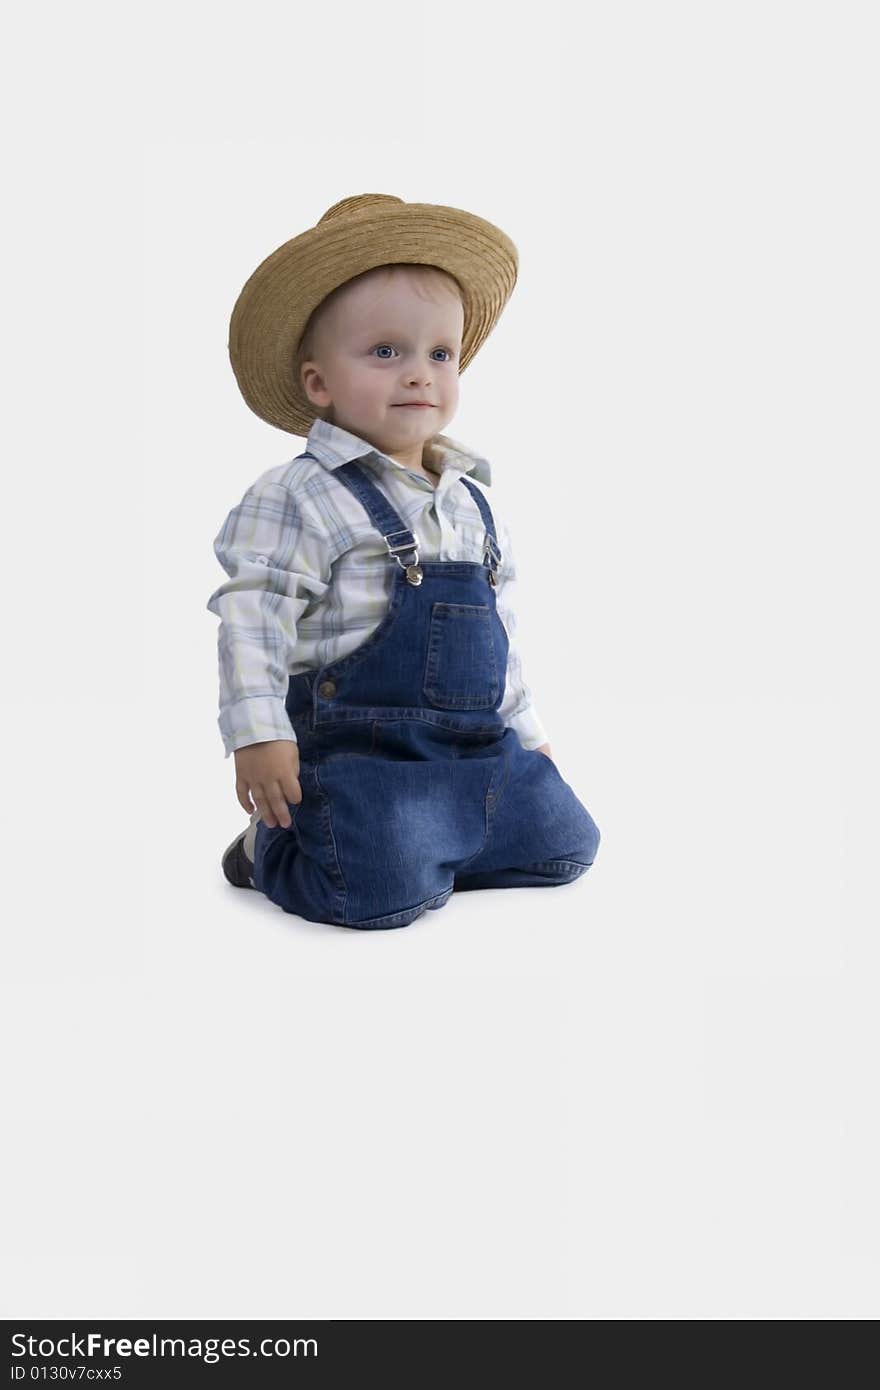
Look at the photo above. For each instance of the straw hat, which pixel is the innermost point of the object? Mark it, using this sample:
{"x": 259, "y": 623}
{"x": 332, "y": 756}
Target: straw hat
{"x": 352, "y": 236}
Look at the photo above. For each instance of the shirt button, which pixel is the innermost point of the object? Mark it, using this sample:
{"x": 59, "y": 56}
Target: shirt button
{"x": 327, "y": 688}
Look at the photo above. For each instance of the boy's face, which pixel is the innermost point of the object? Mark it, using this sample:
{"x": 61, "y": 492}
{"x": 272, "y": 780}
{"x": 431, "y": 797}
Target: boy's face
{"x": 382, "y": 345}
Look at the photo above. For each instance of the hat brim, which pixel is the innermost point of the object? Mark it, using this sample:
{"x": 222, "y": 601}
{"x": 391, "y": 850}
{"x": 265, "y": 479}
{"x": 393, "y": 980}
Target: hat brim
{"x": 275, "y": 303}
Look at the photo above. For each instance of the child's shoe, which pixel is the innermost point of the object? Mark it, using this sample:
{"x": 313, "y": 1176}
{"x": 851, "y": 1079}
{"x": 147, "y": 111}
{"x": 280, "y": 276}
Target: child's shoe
{"x": 238, "y": 858}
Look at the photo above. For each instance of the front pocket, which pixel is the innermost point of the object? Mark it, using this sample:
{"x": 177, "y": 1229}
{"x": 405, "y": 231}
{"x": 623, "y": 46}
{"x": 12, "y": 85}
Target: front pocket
{"x": 460, "y": 669}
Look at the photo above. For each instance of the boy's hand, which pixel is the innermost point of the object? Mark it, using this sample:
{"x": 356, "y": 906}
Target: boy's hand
{"x": 269, "y": 772}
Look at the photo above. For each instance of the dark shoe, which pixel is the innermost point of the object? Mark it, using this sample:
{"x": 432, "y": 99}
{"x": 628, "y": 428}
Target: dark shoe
{"x": 236, "y": 865}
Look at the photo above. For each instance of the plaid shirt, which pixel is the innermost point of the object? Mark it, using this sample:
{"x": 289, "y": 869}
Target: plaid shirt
{"x": 310, "y": 578}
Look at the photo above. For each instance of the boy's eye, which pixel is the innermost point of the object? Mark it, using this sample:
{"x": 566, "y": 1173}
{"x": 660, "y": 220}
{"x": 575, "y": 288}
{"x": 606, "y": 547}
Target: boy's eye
{"x": 381, "y": 347}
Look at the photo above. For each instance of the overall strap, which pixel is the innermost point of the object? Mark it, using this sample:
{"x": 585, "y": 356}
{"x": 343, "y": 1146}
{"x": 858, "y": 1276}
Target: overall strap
{"x": 389, "y": 524}
{"x": 491, "y": 553}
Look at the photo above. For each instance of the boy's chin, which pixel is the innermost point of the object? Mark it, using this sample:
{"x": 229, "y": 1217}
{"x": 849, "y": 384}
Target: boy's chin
{"x": 419, "y": 420}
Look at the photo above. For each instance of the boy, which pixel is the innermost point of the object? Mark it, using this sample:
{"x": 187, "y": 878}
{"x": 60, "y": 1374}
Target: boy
{"x": 385, "y": 744}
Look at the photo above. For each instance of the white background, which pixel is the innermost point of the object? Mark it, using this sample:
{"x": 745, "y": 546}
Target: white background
{"x": 649, "y": 1094}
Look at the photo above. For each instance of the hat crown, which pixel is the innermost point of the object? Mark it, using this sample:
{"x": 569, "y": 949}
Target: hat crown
{"x": 357, "y": 203}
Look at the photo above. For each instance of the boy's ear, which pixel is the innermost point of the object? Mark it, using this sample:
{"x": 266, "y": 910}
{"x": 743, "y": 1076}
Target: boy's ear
{"x": 315, "y": 378}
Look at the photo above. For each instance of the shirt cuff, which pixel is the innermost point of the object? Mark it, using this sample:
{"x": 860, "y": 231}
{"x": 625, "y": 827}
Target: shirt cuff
{"x": 528, "y": 728}
{"x": 257, "y": 719}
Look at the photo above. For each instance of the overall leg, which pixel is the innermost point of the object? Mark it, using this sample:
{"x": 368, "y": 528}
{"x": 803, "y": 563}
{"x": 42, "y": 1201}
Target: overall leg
{"x": 374, "y": 841}
{"x": 294, "y": 871}
{"x": 540, "y": 834}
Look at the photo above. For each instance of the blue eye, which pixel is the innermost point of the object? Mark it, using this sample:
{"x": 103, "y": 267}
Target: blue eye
{"x": 381, "y": 346}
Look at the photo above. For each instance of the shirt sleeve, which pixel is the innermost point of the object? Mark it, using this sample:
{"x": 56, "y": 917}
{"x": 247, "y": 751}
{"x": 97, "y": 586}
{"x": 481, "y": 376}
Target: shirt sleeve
{"x": 278, "y": 563}
{"x": 517, "y": 709}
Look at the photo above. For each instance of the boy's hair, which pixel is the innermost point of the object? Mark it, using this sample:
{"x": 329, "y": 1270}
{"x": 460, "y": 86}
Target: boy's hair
{"x": 430, "y": 279}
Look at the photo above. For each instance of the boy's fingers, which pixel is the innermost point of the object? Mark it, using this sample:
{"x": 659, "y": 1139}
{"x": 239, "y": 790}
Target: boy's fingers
{"x": 270, "y": 800}
{"x": 279, "y": 806}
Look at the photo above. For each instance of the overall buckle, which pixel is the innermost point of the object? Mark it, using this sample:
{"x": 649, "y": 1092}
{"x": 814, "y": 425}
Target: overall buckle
{"x": 413, "y": 570}
{"x": 493, "y": 557}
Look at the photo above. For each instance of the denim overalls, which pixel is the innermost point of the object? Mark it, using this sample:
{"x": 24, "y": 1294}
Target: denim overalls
{"x": 411, "y": 784}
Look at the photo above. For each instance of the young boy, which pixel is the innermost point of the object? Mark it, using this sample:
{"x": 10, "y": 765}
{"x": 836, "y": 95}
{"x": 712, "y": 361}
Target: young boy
{"x": 371, "y": 691}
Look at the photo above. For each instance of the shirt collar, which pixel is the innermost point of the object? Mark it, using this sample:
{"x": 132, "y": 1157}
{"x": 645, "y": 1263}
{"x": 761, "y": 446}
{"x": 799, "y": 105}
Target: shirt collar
{"x": 333, "y": 446}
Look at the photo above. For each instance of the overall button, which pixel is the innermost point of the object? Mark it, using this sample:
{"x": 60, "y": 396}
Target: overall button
{"x": 327, "y": 688}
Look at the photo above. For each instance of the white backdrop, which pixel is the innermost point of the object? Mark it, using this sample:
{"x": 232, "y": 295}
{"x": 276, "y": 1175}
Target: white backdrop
{"x": 648, "y": 1094}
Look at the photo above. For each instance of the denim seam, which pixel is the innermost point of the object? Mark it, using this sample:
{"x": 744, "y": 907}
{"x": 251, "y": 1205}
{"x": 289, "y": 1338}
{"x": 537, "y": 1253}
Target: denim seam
{"x": 391, "y": 714}
{"x": 341, "y": 888}
{"x": 556, "y": 864}
{"x": 488, "y": 811}
{"x": 392, "y": 917}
